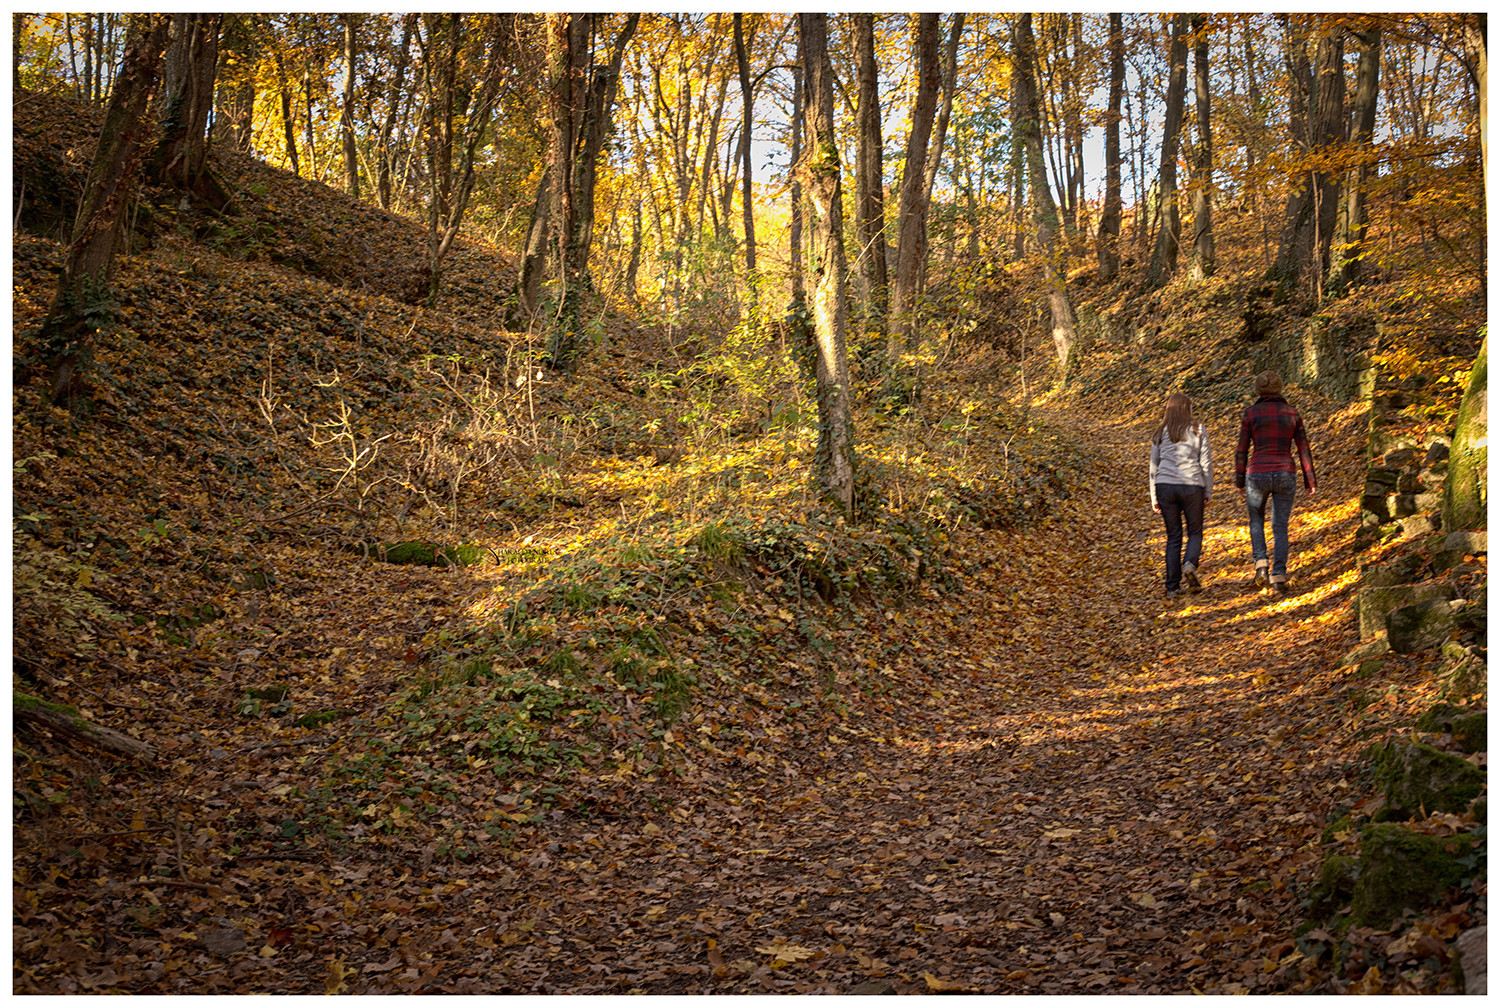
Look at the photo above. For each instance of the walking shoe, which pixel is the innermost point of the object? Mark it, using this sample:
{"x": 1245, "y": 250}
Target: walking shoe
{"x": 1190, "y": 577}
{"x": 1262, "y": 575}
{"x": 1173, "y": 592}
{"x": 1282, "y": 588}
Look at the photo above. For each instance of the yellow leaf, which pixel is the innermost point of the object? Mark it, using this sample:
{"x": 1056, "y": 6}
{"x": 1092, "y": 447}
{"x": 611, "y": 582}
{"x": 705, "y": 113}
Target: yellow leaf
{"x": 1144, "y": 899}
{"x": 336, "y": 973}
{"x": 939, "y": 984}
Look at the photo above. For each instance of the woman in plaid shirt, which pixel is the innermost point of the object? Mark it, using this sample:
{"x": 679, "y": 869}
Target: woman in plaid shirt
{"x": 1270, "y": 474}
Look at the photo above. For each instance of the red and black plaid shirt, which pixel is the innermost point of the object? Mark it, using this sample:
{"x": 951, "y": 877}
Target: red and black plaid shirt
{"x": 1274, "y": 426}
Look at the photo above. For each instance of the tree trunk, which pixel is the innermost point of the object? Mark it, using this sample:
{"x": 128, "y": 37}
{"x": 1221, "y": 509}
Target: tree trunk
{"x": 1109, "y": 223}
{"x": 234, "y": 117}
{"x": 191, "y": 66}
{"x": 1044, "y": 211}
{"x": 1168, "y": 237}
{"x": 835, "y": 462}
{"x": 81, "y": 305}
{"x": 17, "y": 36}
{"x": 1476, "y": 51}
{"x": 1312, "y": 207}
{"x": 912, "y": 247}
{"x": 1348, "y": 248}
{"x": 1203, "y": 262}
{"x": 869, "y": 167}
{"x": 598, "y": 126}
{"x": 747, "y": 107}
{"x": 287, "y": 125}
{"x": 346, "y": 120}
{"x": 940, "y": 132}
{"x": 384, "y": 156}
{"x": 563, "y": 212}
{"x": 63, "y": 721}
{"x": 794, "y": 226}
{"x": 1466, "y": 492}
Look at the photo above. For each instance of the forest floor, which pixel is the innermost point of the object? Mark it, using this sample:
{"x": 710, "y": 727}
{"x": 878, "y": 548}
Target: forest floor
{"x": 1097, "y": 790}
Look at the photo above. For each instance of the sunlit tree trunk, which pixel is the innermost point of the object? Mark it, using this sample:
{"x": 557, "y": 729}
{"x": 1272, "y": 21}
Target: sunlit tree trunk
{"x": 1169, "y": 234}
{"x": 794, "y": 227}
{"x": 835, "y": 461}
{"x": 1050, "y": 248}
{"x": 598, "y": 126}
{"x": 869, "y": 168}
{"x": 1109, "y": 223}
{"x": 1203, "y": 263}
{"x": 288, "y": 126}
{"x": 81, "y": 306}
{"x": 911, "y": 248}
{"x": 346, "y": 121}
{"x": 747, "y": 110}
{"x": 563, "y": 213}
{"x": 1347, "y": 251}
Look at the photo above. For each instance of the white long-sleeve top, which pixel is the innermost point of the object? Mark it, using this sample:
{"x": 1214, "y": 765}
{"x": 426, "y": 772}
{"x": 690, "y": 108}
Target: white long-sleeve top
{"x": 1189, "y": 462}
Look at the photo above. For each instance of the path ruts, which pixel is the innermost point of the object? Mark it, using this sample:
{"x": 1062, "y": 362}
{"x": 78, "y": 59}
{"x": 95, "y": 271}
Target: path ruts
{"x": 1107, "y": 792}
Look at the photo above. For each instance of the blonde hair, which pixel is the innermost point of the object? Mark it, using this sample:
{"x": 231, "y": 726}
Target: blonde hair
{"x": 1178, "y": 417}
{"x": 1268, "y": 383}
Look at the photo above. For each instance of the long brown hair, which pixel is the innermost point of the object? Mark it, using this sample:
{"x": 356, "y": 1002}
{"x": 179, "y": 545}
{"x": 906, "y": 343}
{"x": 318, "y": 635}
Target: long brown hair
{"x": 1178, "y": 418}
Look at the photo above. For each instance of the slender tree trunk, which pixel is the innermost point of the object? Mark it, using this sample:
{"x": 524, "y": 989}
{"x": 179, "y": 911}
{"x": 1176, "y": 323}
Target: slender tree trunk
{"x": 869, "y": 168}
{"x": 81, "y": 305}
{"x": 1347, "y": 250}
{"x": 1109, "y": 223}
{"x": 17, "y": 36}
{"x": 598, "y": 126}
{"x": 835, "y": 463}
{"x": 1203, "y": 262}
{"x": 794, "y": 227}
{"x": 287, "y": 125}
{"x": 747, "y": 110}
{"x": 563, "y": 213}
{"x": 346, "y": 123}
{"x": 940, "y": 129}
{"x": 1475, "y": 27}
{"x": 1044, "y": 212}
{"x": 912, "y": 247}
{"x": 1168, "y": 238}
{"x": 384, "y": 156}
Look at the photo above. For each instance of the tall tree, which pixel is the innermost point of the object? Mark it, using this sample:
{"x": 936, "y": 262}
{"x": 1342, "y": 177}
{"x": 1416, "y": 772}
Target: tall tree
{"x": 835, "y": 463}
{"x": 1203, "y": 262}
{"x": 81, "y": 306}
{"x": 346, "y": 117}
{"x": 869, "y": 168}
{"x": 747, "y": 112}
{"x": 1045, "y": 222}
{"x": 384, "y": 154}
{"x": 565, "y": 39}
{"x": 1313, "y": 203}
{"x": 240, "y": 49}
{"x": 912, "y": 227}
{"x": 187, "y": 101}
{"x": 1109, "y": 222}
{"x": 1347, "y": 250}
{"x": 595, "y": 129}
{"x": 1169, "y": 233}
{"x": 794, "y": 226}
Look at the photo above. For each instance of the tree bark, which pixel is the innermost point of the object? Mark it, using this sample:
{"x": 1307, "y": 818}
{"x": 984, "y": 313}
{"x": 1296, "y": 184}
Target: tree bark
{"x": 346, "y": 119}
{"x": 794, "y": 226}
{"x": 1347, "y": 250}
{"x": 81, "y": 305}
{"x": 945, "y": 107}
{"x": 384, "y": 156}
{"x": 63, "y": 721}
{"x": 1044, "y": 211}
{"x": 912, "y": 228}
{"x": 1203, "y": 262}
{"x": 288, "y": 127}
{"x": 191, "y": 68}
{"x": 869, "y": 167}
{"x": 1169, "y": 235}
{"x": 563, "y": 212}
{"x": 835, "y": 463}
{"x": 1109, "y": 223}
{"x": 747, "y": 107}
{"x": 598, "y": 126}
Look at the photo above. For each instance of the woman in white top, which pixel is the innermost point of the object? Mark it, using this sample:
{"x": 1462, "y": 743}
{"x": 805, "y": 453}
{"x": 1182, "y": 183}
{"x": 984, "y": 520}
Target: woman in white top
{"x": 1182, "y": 482}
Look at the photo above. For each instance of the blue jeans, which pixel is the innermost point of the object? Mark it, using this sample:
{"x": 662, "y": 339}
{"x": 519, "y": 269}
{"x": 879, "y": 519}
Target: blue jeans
{"x": 1181, "y": 505}
{"x": 1279, "y": 488}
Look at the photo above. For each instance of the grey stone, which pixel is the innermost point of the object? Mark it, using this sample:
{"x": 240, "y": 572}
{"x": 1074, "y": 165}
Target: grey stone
{"x": 1468, "y": 727}
{"x": 1473, "y": 961}
{"x": 1375, "y": 602}
{"x": 1421, "y": 626}
{"x": 1472, "y": 542}
{"x": 1436, "y": 452}
{"x": 1382, "y": 476}
{"x": 1427, "y": 501}
{"x": 1400, "y": 868}
{"x": 1418, "y": 779}
{"x": 1444, "y": 561}
{"x": 1402, "y": 570}
{"x": 1382, "y": 506}
{"x": 1398, "y": 458}
{"x": 1373, "y": 648}
{"x": 1408, "y": 482}
{"x": 1420, "y": 524}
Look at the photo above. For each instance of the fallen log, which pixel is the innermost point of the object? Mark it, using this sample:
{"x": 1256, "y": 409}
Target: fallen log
{"x": 66, "y": 721}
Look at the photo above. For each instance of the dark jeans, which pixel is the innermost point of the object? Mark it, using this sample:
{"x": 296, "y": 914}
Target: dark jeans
{"x": 1181, "y": 505}
{"x": 1279, "y": 488}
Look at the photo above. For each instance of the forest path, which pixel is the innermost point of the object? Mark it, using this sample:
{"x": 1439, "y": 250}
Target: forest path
{"x": 1109, "y": 792}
